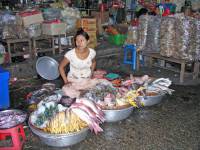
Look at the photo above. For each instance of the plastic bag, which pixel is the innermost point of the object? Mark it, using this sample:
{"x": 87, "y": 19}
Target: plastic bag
{"x": 132, "y": 35}
{"x": 14, "y": 32}
{"x": 51, "y": 14}
{"x": 7, "y": 17}
{"x": 197, "y": 39}
{"x": 70, "y": 16}
{"x": 2, "y": 49}
{"x": 168, "y": 36}
{"x": 153, "y": 35}
{"x": 34, "y": 30}
{"x": 185, "y": 36}
{"x": 142, "y": 31}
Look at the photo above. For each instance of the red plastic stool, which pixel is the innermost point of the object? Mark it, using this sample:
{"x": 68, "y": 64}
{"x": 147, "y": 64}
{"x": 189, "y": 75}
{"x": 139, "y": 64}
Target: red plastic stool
{"x": 18, "y": 137}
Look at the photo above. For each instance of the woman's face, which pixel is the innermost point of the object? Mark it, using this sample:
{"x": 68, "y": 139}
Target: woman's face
{"x": 81, "y": 42}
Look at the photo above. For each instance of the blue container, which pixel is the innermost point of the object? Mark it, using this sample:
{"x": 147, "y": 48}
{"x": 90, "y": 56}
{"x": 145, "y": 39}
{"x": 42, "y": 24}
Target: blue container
{"x": 4, "y": 90}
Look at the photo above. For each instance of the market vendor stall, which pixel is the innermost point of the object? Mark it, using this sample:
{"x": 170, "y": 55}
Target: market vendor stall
{"x": 61, "y": 118}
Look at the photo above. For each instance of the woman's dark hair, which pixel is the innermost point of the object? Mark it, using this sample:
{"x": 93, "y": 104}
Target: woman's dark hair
{"x": 142, "y": 11}
{"x": 80, "y": 31}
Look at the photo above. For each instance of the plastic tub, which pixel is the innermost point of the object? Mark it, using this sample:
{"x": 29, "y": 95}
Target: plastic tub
{"x": 4, "y": 89}
{"x": 117, "y": 39}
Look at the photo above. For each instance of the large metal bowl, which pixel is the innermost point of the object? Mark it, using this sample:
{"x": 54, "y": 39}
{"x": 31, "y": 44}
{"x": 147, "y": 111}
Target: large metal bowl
{"x": 47, "y": 68}
{"x": 60, "y": 140}
{"x": 118, "y": 114}
{"x": 11, "y": 118}
{"x": 151, "y": 100}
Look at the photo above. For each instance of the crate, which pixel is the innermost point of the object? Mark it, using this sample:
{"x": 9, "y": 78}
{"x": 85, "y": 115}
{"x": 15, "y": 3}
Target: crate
{"x": 117, "y": 39}
{"x": 4, "y": 89}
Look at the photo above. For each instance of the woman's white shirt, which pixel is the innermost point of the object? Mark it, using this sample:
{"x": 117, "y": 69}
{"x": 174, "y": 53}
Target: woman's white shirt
{"x": 80, "y": 68}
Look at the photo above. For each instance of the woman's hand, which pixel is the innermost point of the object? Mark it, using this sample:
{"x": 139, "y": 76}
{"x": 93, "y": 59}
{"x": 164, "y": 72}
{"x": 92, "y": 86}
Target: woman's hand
{"x": 66, "y": 81}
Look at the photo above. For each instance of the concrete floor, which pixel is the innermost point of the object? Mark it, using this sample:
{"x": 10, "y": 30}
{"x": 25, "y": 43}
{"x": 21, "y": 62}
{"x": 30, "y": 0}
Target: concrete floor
{"x": 174, "y": 124}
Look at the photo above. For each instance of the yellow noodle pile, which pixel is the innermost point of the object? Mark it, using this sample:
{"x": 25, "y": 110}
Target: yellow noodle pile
{"x": 65, "y": 122}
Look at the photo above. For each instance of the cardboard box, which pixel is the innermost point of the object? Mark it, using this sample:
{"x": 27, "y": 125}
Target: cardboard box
{"x": 28, "y": 20}
{"x": 54, "y": 28}
{"x": 92, "y": 35}
{"x": 87, "y": 22}
{"x": 90, "y": 29}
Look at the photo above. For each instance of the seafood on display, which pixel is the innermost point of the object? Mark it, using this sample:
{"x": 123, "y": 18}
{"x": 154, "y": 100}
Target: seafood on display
{"x": 55, "y": 118}
{"x": 160, "y": 85}
{"x": 136, "y": 80}
{"x": 132, "y": 95}
{"x": 89, "y": 112}
{"x": 11, "y": 118}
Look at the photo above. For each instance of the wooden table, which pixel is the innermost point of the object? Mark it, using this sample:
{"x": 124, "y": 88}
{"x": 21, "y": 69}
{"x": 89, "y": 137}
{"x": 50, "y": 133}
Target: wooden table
{"x": 35, "y": 40}
{"x": 15, "y": 41}
{"x": 174, "y": 60}
{"x": 70, "y": 36}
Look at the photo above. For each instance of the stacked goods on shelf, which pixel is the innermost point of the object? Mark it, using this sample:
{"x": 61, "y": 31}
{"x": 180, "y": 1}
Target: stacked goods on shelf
{"x": 89, "y": 25}
{"x": 55, "y": 27}
{"x": 27, "y": 18}
{"x": 30, "y": 21}
{"x": 172, "y": 36}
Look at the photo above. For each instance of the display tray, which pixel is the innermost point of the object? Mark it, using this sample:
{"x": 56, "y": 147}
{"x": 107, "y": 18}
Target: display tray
{"x": 11, "y": 118}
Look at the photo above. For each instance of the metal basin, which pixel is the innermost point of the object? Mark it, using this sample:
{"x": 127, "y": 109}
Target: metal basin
{"x": 60, "y": 140}
{"x": 118, "y": 114}
{"x": 151, "y": 100}
{"x": 47, "y": 68}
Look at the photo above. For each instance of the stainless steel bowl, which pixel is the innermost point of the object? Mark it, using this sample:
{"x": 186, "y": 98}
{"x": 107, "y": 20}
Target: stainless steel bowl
{"x": 11, "y": 117}
{"x": 118, "y": 114}
{"x": 60, "y": 140}
{"x": 151, "y": 100}
{"x": 47, "y": 68}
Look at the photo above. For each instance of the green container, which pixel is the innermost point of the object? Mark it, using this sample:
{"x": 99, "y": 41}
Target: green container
{"x": 118, "y": 39}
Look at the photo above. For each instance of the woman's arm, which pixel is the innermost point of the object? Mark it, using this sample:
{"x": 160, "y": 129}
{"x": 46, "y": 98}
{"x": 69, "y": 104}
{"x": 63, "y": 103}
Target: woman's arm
{"x": 93, "y": 65}
{"x": 62, "y": 66}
